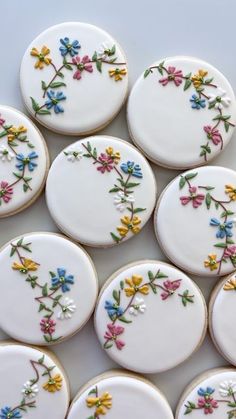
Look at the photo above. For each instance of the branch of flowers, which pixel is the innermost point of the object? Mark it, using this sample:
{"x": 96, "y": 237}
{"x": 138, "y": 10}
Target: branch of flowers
{"x": 89, "y": 152}
{"x": 19, "y": 406}
{"x": 21, "y": 258}
{"x": 57, "y": 72}
{"x": 49, "y": 296}
{"x": 34, "y": 363}
{"x": 12, "y": 148}
{"x": 41, "y": 107}
{"x": 19, "y": 179}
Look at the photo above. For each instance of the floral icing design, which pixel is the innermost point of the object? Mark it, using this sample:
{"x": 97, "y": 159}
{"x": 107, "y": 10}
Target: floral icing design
{"x": 201, "y": 99}
{"x": 207, "y": 401}
{"x": 15, "y": 136}
{"x": 101, "y": 404}
{"x": 124, "y": 201}
{"x": 78, "y": 65}
{"x": 222, "y": 227}
{"x": 31, "y": 389}
{"x": 135, "y": 289}
{"x": 52, "y": 293}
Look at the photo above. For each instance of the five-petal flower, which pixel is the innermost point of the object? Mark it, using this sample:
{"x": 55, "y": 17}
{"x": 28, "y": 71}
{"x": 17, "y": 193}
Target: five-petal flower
{"x": 27, "y": 161}
{"x": 54, "y": 100}
{"x": 62, "y": 280}
{"x": 224, "y": 229}
{"x": 69, "y": 47}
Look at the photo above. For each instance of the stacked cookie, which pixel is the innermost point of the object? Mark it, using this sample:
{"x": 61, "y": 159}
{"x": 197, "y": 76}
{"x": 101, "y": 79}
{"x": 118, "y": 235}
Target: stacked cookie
{"x": 150, "y": 316}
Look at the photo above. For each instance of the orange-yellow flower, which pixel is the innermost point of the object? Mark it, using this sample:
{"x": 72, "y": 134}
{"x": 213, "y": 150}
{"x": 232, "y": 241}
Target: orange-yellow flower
{"x": 135, "y": 286}
{"x": 198, "y": 79}
{"x": 129, "y": 224}
{"x": 26, "y": 266}
{"x": 42, "y": 57}
{"x": 231, "y": 191}
{"x": 53, "y": 384}
{"x": 115, "y": 155}
{"x": 211, "y": 262}
{"x": 14, "y": 132}
{"x": 118, "y": 73}
{"x": 102, "y": 403}
{"x": 230, "y": 285}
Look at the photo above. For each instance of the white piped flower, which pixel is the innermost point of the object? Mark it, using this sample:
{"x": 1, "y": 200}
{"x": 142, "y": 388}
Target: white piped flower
{"x": 137, "y": 307}
{"x": 5, "y": 154}
{"x": 120, "y": 200}
{"x": 227, "y": 388}
{"x": 30, "y": 390}
{"x": 74, "y": 155}
{"x": 102, "y": 51}
{"x": 68, "y": 309}
{"x": 220, "y": 100}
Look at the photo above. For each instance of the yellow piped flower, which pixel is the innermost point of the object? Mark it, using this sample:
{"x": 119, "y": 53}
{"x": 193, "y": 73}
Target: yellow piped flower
{"x": 135, "y": 286}
{"x": 118, "y": 73}
{"x": 14, "y": 132}
{"x": 230, "y": 285}
{"x": 102, "y": 403}
{"x": 129, "y": 225}
{"x": 231, "y": 191}
{"x": 198, "y": 79}
{"x": 115, "y": 155}
{"x": 42, "y": 57}
{"x": 53, "y": 384}
{"x": 211, "y": 262}
{"x": 26, "y": 266}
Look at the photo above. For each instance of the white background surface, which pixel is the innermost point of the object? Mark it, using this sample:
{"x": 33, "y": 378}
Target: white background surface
{"x": 147, "y": 31}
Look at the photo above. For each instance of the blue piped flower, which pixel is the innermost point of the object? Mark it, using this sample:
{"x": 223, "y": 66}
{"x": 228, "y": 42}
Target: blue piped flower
{"x": 224, "y": 229}
{"x": 62, "y": 280}
{"x": 131, "y": 168}
{"x": 205, "y": 392}
{"x": 68, "y": 47}
{"x": 113, "y": 309}
{"x": 7, "y": 412}
{"x": 197, "y": 102}
{"x": 53, "y": 101}
{"x": 26, "y": 161}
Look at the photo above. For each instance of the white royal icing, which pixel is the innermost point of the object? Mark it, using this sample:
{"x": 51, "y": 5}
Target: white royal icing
{"x": 18, "y": 366}
{"x": 44, "y": 274}
{"x": 20, "y": 180}
{"x": 100, "y": 191}
{"x": 144, "y": 315}
{"x": 90, "y": 93}
{"x": 212, "y": 393}
{"x": 120, "y": 395}
{"x": 195, "y": 220}
{"x": 167, "y": 124}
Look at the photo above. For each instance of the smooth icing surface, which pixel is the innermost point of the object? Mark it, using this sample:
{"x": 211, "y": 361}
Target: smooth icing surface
{"x": 39, "y": 397}
{"x": 222, "y": 325}
{"x": 109, "y": 191}
{"x": 48, "y": 288}
{"x": 23, "y": 161}
{"x": 144, "y": 315}
{"x": 214, "y": 393}
{"x": 193, "y": 95}
{"x": 195, "y": 221}
{"x": 91, "y": 85}
{"x": 120, "y": 396}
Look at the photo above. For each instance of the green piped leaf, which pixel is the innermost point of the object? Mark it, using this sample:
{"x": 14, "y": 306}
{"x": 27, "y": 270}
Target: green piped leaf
{"x": 208, "y": 200}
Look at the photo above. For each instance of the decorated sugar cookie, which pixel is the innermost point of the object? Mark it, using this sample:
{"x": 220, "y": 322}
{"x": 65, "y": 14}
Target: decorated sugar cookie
{"x": 116, "y": 395}
{"x": 74, "y": 78}
{"x": 144, "y": 314}
{"x": 211, "y": 393}
{"x": 33, "y": 384}
{"x": 195, "y": 221}
{"x": 101, "y": 191}
{"x": 23, "y": 161}
{"x": 222, "y": 312}
{"x": 199, "y": 102}
{"x": 48, "y": 288}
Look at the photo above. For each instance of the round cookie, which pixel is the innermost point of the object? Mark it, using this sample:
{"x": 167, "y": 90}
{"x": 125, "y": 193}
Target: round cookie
{"x": 213, "y": 392}
{"x": 34, "y": 383}
{"x": 144, "y": 314}
{"x": 24, "y": 161}
{"x": 101, "y": 191}
{"x": 117, "y": 394}
{"x": 48, "y": 288}
{"x": 222, "y": 310}
{"x": 196, "y": 98}
{"x": 195, "y": 221}
{"x": 74, "y": 78}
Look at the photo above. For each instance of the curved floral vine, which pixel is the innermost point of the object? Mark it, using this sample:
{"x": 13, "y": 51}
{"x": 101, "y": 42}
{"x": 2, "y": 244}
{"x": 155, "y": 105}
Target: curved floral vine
{"x": 100, "y": 404}
{"x": 72, "y": 61}
{"x": 200, "y": 99}
{"x": 51, "y": 294}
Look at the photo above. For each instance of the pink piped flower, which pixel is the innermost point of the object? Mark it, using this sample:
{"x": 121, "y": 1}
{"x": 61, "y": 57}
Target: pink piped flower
{"x": 213, "y": 134}
{"x": 6, "y": 191}
{"x": 173, "y": 75}
{"x": 170, "y": 288}
{"x": 194, "y": 197}
{"x": 48, "y": 326}
{"x": 82, "y": 64}
{"x": 112, "y": 334}
{"x": 208, "y": 404}
{"x": 106, "y": 163}
{"x": 230, "y": 252}
{"x": 2, "y": 121}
